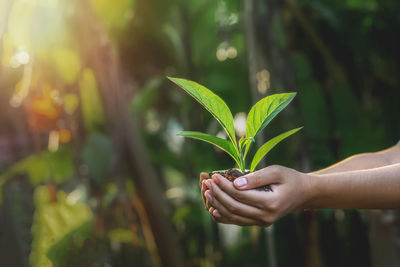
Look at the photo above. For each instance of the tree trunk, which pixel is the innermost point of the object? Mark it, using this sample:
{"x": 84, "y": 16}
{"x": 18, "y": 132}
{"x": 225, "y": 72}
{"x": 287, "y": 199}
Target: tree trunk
{"x": 103, "y": 59}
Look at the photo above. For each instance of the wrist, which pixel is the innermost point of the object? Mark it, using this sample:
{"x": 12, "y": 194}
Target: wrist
{"x": 312, "y": 190}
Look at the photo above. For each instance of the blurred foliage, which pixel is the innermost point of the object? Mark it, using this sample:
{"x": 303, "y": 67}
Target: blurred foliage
{"x": 55, "y": 220}
{"x": 57, "y": 151}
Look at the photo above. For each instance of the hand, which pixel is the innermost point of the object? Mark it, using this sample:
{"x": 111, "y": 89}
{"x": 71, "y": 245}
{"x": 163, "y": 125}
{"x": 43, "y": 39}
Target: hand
{"x": 234, "y": 203}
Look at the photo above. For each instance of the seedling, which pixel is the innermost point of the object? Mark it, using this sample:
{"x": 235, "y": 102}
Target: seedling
{"x": 259, "y": 117}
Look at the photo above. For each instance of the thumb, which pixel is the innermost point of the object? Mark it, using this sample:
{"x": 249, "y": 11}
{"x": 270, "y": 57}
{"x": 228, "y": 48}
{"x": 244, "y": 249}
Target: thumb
{"x": 266, "y": 176}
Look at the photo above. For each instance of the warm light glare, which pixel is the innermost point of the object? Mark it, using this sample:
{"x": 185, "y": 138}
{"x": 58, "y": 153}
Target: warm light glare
{"x": 263, "y": 81}
{"x": 54, "y": 138}
{"x": 240, "y": 123}
{"x": 20, "y": 58}
{"x": 224, "y": 52}
{"x": 64, "y": 135}
{"x": 221, "y": 54}
{"x": 232, "y": 52}
{"x": 175, "y": 192}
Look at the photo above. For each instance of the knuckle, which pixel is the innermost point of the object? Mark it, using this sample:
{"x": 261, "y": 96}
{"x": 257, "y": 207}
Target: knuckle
{"x": 273, "y": 207}
{"x": 275, "y": 169}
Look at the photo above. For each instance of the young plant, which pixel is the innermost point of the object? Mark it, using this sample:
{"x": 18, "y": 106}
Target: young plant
{"x": 259, "y": 117}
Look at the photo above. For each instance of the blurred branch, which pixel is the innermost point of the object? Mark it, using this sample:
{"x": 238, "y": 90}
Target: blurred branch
{"x": 333, "y": 66}
{"x": 186, "y": 39}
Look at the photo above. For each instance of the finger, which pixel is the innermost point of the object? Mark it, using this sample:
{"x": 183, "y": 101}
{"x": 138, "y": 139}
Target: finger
{"x": 203, "y": 190}
{"x": 203, "y": 176}
{"x": 221, "y": 214}
{"x": 208, "y": 199}
{"x": 234, "y": 206}
{"x": 253, "y": 198}
{"x": 210, "y": 210}
{"x": 266, "y": 176}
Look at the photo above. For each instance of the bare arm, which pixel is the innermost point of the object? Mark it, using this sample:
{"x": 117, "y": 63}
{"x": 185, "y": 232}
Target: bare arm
{"x": 365, "y": 161}
{"x": 377, "y": 188}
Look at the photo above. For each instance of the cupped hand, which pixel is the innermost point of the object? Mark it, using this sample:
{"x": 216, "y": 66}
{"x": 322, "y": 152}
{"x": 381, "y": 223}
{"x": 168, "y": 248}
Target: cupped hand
{"x": 235, "y": 203}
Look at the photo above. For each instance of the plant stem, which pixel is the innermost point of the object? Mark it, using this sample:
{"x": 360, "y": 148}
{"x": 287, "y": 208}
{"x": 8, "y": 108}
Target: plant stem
{"x": 241, "y": 158}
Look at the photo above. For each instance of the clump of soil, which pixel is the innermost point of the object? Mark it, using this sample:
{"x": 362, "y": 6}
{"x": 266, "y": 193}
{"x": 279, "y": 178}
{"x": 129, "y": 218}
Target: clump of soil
{"x": 232, "y": 174}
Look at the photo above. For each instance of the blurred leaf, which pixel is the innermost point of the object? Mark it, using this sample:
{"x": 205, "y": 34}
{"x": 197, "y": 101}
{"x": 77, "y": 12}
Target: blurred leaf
{"x": 43, "y": 104}
{"x": 67, "y": 64}
{"x": 71, "y": 103}
{"x": 264, "y": 149}
{"x": 65, "y": 252}
{"x": 44, "y": 167}
{"x": 110, "y": 195}
{"x": 122, "y": 235}
{"x": 370, "y": 5}
{"x": 147, "y": 96}
{"x": 92, "y": 107}
{"x": 97, "y": 155}
{"x": 264, "y": 111}
{"x": 188, "y": 214}
{"x": 216, "y": 141}
{"x": 53, "y": 221}
{"x": 213, "y": 103}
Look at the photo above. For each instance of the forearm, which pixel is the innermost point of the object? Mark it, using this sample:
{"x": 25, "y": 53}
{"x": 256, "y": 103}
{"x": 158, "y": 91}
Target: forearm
{"x": 376, "y": 188}
{"x": 365, "y": 161}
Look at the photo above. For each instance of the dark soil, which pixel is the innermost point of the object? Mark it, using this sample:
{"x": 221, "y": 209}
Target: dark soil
{"x": 232, "y": 174}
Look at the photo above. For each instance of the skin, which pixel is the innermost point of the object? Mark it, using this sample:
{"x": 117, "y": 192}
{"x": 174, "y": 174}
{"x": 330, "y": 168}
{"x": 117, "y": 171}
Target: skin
{"x": 364, "y": 181}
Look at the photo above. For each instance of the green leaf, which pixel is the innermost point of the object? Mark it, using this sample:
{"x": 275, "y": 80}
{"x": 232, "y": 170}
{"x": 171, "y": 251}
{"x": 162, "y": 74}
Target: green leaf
{"x": 244, "y": 144}
{"x": 219, "y": 142}
{"x": 92, "y": 107}
{"x": 43, "y": 167}
{"x": 53, "y": 221}
{"x": 213, "y": 103}
{"x": 244, "y": 141}
{"x": 264, "y": 111}
{"x": 264, "y": 149}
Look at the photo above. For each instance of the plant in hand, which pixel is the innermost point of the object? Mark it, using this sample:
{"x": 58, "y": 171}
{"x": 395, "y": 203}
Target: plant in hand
{"x": 260, "y": 115}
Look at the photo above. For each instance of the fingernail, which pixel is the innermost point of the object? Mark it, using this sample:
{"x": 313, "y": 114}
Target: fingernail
{"x": 215, "y": 178}
{"x": 211, "y": 209}
{"x": 208, "y": 196}
{"x": 240, "y": 182}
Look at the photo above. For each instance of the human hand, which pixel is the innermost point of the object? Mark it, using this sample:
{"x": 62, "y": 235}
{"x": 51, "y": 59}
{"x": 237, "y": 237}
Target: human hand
{"x": 234, "y": 203}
